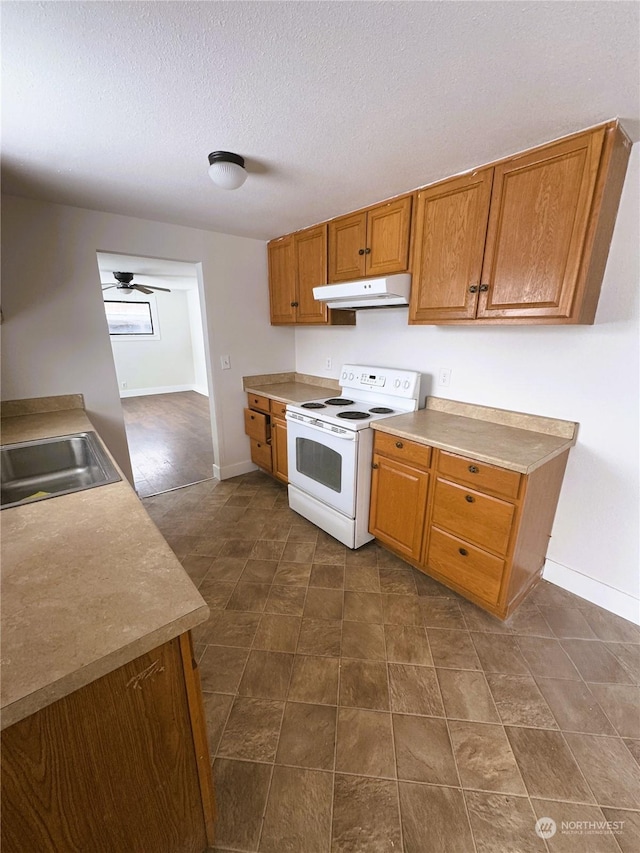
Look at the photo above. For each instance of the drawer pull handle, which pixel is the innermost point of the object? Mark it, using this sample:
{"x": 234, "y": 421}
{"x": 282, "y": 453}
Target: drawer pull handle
{"x": 463, "y": 551}
{"x": 469, "y": 499}
{"x": 259, "y": 445}
{"x": 399, "y": 445}
{"x": 252, "y": 417}
{"x": 473, "y": 469}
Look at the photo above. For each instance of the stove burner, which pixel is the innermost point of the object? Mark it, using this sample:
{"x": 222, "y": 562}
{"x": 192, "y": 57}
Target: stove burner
{"x": 338, "y": 401}
{"x": 381, "y": 410}
{"x": 353, "y": 416}
{"x": 313, "y": 406}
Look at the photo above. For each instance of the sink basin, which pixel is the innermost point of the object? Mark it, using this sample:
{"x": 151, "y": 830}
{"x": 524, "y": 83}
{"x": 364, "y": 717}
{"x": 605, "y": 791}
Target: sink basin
{"x": 36, "y": 470}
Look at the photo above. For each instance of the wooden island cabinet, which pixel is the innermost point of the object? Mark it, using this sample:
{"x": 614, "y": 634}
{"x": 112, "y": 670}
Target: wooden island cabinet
{"x": 121, "y": 764}
{"x": 479, "y": 528}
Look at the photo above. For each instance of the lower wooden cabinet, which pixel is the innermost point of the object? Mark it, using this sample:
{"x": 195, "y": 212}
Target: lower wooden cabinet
{"x": 480, "y": 529}
{"x": 265, "y": 424}
{"x": 120, "y": 765}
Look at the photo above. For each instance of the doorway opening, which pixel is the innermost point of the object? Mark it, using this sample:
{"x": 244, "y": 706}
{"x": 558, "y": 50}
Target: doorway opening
{"x": 156, "y": 330}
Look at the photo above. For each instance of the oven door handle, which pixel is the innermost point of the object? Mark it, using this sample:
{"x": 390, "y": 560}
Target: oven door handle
{"x": 349, "y": 435}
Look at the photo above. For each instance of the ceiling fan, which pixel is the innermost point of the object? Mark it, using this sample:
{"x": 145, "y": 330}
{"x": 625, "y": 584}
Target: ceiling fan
{"x": 124, "y": 280}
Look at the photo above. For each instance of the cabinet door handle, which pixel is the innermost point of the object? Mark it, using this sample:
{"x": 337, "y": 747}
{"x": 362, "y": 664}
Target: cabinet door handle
{"x": 294, "y": 304}
{"x": 361, "y": 251}
{"x": 367, "y": 251}
{"x": 484, "y": 288}
{"x": 252, "y": 417}
{"x": 399, "y": 445}
{"x": 473, "y": 288}
{"x": 469, "y": 499}
{"x": 375, "y": 465}
{"x": 463, "y": 551}
{"x": 473, "y": 469}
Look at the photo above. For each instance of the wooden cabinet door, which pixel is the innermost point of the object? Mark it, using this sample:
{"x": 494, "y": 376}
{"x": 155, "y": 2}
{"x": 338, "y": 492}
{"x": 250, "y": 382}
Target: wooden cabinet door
{"x": 538, "y": 222}
{"x": 311, "y": 271}
{"x": 280, "y": 467}
{"x": 282, "y": 280}
{"x": 398, "y": 505}
{"x": 450, "y": 230}
{"x": 347, "y": 244}
{"x": 388, "y": 227}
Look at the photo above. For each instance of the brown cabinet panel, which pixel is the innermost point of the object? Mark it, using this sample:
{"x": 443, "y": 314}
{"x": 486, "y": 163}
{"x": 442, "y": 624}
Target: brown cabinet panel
{"x": 467, "y": 568}
{"x": 258, "y": 401}
{"x": 347, "y": 244}
{"x": 451, "y": 225}
{"x": 539, "y": 213}
{"x": 277, "y": 409}
{"x": 388, "y": 226}
{"x": 477, "y": 517}
{"x": 398, "y": 505}
{"x": 311, "y": 271}
{"x": 279, "y": 450}
{"x": 282, "y": 280}
{"x": 402, "y": 449}
{"x": 256, "y": 425}
{"x": 261, "y": 454}
{"x": 110, "y": 767}
{"x": 479, "y": 475}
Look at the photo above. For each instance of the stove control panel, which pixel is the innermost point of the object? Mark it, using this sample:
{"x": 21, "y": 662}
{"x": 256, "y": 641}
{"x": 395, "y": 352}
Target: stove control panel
{"x": 383, "y": 380}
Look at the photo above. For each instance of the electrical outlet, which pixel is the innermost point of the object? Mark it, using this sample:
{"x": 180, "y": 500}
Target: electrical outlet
{"x": 327, "y": 364}
{"x": 225, "y": 361}
{"x": 123, "y": 385}
{"x": 444, "y": 377}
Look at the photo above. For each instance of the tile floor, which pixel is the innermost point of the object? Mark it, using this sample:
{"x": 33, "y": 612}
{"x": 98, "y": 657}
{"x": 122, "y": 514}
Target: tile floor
{"x": 354, "y": 704}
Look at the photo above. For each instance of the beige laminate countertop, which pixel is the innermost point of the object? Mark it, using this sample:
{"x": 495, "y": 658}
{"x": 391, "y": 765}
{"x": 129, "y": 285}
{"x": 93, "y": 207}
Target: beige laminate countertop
{"x": 88, "y": 584}
{"x": 291, "y": 387}
{"x": 513, "y": 440}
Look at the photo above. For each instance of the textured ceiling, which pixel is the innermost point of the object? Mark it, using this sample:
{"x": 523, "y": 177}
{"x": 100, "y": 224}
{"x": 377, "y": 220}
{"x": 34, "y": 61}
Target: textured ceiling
{"x": 115, "y": 105}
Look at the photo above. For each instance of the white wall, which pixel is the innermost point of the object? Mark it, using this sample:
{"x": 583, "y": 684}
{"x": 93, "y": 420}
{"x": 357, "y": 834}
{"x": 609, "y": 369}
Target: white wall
{"x": 196, "y": 333}
{"x": 587, "y": 374}
{"x": 156, "y": 365}
{"x": 55, "y": 338}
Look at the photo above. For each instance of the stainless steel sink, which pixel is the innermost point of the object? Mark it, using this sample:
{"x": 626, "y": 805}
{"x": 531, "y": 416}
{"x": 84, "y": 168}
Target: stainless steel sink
{"x": 36, "y": 470}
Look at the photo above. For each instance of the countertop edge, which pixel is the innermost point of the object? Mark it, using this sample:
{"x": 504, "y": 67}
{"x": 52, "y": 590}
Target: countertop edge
{"x": 385, "y": 426}
{"x": 68, "y": 684}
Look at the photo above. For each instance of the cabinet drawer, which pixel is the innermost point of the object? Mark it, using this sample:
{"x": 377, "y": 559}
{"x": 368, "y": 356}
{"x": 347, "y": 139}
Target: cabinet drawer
{"x": 261, "y": 454}
{"x": 469, "y": 568}
{"x": 277, "y": 409}
{"x": 476, "y": 517}
{"x": 403, "y": 450}
{"x": 256, "y": 425}
{"x": 479, "y": 475}
{"x": 257, "y": 401}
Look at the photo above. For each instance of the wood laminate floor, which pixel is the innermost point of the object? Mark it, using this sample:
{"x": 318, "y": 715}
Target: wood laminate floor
{"x": 169, "y": 439}
{"x": 354, "y": 705}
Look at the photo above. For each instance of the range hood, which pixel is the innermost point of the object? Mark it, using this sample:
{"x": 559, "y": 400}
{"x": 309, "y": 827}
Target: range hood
{"x": 383, "y": 292}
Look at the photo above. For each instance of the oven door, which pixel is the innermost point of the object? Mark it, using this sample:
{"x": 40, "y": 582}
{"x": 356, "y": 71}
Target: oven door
{"x": 323, "y": 464}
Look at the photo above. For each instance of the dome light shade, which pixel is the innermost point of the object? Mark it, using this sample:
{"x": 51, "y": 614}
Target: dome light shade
{"x": 226, "y": 170}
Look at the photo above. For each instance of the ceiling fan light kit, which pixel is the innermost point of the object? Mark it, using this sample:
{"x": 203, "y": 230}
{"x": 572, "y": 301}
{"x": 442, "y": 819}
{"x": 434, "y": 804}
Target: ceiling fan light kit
{"x": 125, "y": 279}
{"x": 227, "y": 170}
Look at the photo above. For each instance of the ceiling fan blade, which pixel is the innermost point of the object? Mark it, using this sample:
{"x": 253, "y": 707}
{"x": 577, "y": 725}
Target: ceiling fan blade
{"x": 108, "y": 286}
{"x": 141, "y": 288}
{"x": 165, "y": 289}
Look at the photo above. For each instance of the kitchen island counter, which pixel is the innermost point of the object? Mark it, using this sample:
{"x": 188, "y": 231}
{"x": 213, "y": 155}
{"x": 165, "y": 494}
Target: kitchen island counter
{"x": 88, "y": 582}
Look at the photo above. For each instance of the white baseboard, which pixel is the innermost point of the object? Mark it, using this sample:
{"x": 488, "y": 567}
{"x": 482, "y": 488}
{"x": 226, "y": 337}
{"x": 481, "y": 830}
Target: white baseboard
{"x": 228, "y": 471}
{"x": 162, "y": 389}
{"x": 613, "y": 600}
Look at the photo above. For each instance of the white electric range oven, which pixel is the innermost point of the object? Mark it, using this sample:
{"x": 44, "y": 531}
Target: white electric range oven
{"x": 330, "y": 447}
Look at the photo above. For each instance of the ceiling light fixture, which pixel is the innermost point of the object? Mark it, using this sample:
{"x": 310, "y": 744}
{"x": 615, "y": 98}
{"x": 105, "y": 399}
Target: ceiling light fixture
{"x": 226, "y": 170}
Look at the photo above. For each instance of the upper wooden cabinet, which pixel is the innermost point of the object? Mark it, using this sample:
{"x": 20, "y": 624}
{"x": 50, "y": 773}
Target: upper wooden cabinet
{"x": 297, "y": 264}
{"x": 526, "y": 240}
{"x": 372, "y": 242}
